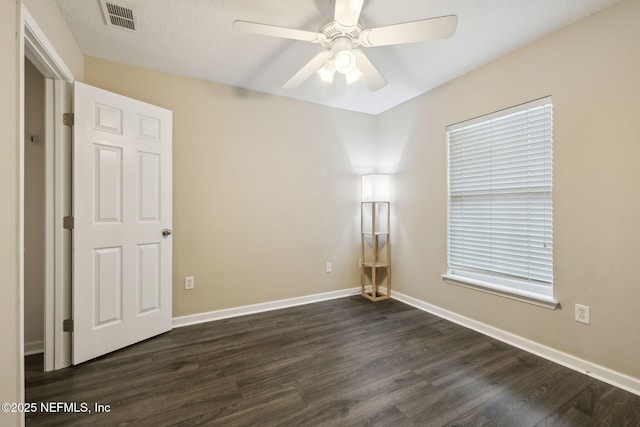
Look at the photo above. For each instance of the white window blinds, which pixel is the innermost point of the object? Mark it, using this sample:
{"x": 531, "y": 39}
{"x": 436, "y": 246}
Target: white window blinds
{"x": 500, "y": 197}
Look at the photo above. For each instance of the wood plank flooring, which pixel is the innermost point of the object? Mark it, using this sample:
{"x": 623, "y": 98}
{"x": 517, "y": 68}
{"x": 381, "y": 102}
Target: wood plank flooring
{"x": 336, "y": 363}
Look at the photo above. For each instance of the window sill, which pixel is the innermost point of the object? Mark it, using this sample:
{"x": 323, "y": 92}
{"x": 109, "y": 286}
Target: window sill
{"x": 502, "y": 291}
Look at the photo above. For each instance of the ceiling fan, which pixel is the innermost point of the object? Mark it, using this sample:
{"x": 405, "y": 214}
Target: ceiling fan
{"x": 341, "y": 38}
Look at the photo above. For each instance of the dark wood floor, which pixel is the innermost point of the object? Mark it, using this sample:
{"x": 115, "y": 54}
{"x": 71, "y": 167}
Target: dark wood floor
{"x": 336, "y": 363}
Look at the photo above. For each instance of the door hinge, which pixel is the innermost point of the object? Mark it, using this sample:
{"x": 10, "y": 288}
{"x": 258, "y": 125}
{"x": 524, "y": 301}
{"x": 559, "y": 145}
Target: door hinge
{"x": 67, "y": 119}
{"x": 67, "y": 222}
{"x": 67, "y": 325}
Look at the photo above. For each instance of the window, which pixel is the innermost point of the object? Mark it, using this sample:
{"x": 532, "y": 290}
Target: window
{"x": 500, "y": 224}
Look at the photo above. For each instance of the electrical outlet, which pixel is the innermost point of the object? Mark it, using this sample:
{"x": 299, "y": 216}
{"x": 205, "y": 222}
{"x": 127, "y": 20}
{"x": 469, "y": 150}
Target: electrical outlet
{"x": 328, "y": 267}
{"x": 189, "y": 283}
{"x": 583, "y": 313}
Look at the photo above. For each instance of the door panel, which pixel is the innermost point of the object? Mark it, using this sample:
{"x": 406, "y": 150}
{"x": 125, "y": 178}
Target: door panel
{"x": 107, "y": 284}
{"x": 122, "y": 202}
{"x": 149, "y": 266}
{"x": 108, "y": 191}
{"x": 149, "y": 184}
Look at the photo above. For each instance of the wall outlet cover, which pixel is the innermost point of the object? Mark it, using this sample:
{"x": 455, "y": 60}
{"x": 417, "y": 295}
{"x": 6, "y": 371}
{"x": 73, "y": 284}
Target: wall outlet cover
{"x": 583, "y": 314}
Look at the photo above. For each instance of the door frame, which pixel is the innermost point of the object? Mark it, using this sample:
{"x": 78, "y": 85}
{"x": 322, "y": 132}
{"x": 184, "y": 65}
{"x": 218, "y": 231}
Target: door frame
{"x": 34, "y": 45}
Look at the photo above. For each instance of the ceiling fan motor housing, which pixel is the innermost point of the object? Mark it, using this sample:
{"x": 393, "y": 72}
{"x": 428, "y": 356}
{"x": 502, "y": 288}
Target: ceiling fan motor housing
{"x": 333, "y": 30}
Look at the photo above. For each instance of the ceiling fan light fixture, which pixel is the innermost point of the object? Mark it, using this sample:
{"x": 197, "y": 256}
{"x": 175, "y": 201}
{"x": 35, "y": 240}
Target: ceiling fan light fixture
{"x": 353, "y": 76}
{"x": 345, "y": 61}
{"x": 327, "y": 71}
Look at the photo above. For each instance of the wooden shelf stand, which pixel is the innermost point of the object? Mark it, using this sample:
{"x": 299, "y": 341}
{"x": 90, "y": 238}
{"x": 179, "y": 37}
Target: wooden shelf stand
{"x": 375, "y": 252}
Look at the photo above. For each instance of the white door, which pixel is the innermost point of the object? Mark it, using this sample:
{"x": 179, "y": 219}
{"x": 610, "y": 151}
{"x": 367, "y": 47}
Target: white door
{"x": 122, "y": 222}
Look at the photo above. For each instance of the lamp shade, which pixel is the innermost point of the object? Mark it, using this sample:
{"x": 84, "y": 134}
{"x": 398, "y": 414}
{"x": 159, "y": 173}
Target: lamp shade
{"x": 375, "y": 188}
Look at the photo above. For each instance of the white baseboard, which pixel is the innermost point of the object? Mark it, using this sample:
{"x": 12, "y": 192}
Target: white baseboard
{"x": 599, "y": 372}
{"x": 33, "y": 347}
{"x": 193, "y": 319}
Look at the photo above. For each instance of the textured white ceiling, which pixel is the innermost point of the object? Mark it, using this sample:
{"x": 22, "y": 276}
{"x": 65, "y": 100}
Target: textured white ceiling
{"x": 194, "y": 38}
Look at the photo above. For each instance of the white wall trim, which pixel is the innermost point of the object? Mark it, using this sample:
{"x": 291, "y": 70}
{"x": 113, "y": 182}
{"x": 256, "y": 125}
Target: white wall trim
{"x": 501, "y": 291}
{"x": 591, "y": 369}
{"x": 41, "y": 52}
{"x": 226, "y": 313}
{"x": 33, "y": 347}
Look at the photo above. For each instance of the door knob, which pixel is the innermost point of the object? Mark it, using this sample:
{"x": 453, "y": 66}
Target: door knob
{"x": 166, "y": 233}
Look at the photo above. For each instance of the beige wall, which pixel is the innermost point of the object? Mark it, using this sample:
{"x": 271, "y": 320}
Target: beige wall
{"x": 592, "y": 70}
{"x": 9, "y": 311}
{"x": 265, "y": 188}
{"x": 34, "y": 207}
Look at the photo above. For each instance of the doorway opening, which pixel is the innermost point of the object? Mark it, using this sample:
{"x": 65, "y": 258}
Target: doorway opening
{"x": 34, "y": 213}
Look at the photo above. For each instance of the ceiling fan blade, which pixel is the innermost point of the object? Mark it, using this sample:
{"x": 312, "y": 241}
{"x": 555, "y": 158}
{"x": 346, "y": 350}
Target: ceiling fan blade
{"x": 348, "y": 12}
{"x": 306, "y": 71}
{"x": 371, "y": 78}
{"x": 410, "y": 32}
{"x": 273, "y": 31}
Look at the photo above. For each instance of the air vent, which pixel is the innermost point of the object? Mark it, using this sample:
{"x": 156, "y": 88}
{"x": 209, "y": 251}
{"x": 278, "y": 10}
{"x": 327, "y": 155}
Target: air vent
{"x": 119, "y": 15}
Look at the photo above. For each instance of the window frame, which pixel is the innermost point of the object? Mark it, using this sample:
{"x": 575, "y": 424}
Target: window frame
{"x": 522, "y": 289}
